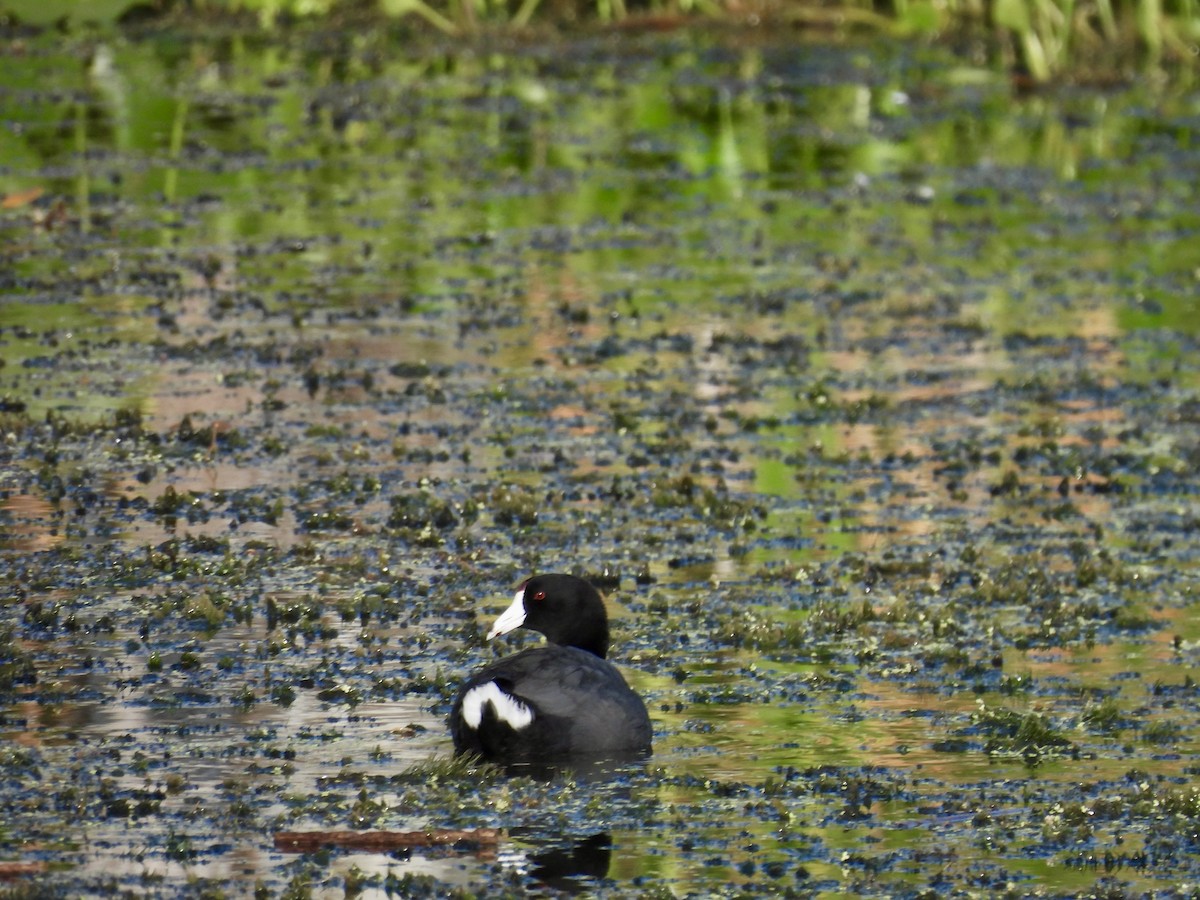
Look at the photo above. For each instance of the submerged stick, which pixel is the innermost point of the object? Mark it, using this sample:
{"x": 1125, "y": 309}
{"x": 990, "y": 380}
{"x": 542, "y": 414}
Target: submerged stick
{"x": 16, "y": 869}
{"x": 308, "y": 841}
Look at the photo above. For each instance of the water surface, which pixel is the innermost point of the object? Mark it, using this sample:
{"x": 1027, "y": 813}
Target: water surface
{"x": 866, "y": 388}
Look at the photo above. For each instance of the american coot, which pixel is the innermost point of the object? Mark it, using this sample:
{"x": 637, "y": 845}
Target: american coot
{"x": 557, "y": 701}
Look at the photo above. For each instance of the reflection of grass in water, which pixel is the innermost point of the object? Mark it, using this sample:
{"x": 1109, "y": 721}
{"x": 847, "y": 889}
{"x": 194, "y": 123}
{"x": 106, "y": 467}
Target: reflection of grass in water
{"x": 28, "y": 324}
{"x": 1164, "y": 731}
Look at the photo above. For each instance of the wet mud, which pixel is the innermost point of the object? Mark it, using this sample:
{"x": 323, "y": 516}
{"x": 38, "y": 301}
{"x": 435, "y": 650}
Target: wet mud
{"x": 866, "y": 390}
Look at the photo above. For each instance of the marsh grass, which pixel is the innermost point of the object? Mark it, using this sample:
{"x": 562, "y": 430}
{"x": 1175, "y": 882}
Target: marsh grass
{"x": 1012, "y": 733}
{"x": 450, "y": 768}
{"x": 1037, "y": 39}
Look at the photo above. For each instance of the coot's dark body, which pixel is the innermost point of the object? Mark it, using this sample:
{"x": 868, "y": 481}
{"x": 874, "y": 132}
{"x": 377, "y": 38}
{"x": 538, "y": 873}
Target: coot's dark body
{"x": 558, "y": 701}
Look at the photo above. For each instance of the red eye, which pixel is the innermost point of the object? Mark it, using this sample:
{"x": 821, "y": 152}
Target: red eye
{"x": 539, "y": 595}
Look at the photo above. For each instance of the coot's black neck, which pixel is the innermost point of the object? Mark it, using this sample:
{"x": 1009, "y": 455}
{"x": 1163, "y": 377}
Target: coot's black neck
{"x": 568, "y": 611}
{"x": 592, "y": 640}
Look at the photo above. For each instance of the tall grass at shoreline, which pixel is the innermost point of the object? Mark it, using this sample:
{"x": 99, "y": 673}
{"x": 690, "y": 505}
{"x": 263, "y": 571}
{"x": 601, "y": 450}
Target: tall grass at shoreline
{"x": 1042, "y": 38}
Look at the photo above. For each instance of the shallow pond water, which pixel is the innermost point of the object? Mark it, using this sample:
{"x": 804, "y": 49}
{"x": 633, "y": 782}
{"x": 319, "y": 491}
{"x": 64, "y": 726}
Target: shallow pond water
{"x": 867, "y": 390}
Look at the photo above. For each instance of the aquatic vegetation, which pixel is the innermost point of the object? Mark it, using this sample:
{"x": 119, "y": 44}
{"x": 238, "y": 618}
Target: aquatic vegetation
{"x": 1040, "y": 37}
{"x": 863, "y": 386}
{"x": 1104, "y": 716}
{"x": 1028, "y": 735}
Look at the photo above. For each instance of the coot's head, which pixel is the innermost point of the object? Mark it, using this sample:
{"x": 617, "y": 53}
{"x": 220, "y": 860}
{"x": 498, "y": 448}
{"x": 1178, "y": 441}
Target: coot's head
{"x": 566, "y": 609}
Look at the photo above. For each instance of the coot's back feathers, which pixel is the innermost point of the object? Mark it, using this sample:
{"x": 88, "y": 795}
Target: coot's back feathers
{"x": 577, "y": 701}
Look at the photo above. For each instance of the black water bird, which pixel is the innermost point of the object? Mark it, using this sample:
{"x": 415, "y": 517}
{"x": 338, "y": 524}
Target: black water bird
{"x": 559, "y": 702}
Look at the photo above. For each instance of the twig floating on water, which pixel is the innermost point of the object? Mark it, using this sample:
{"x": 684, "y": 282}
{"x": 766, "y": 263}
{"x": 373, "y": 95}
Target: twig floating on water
{"x": 16, "y": 869}
{"x": 308, "y": 841}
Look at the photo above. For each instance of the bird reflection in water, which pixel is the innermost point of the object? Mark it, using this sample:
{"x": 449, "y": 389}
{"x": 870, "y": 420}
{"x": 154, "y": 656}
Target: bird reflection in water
{"x": 565, "y": 865}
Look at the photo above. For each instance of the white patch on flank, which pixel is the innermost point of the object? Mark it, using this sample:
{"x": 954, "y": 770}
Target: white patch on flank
{"x": 508, "y": 708}
{"x": 512, "y": 618}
